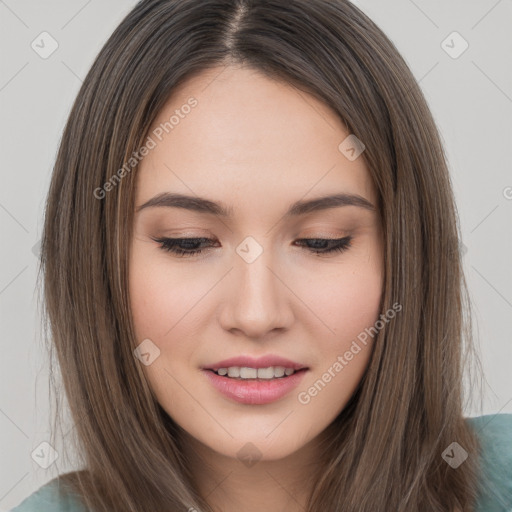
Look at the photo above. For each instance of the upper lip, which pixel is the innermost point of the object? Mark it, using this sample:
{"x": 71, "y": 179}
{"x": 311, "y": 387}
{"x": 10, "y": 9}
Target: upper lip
{"x": 260, "y": 362}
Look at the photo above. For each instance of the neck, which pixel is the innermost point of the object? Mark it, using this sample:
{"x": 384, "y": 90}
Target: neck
{"x": 251, "y": 483}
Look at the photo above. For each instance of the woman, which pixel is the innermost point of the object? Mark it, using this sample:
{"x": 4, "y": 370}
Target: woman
{"x": 252, "y": 274}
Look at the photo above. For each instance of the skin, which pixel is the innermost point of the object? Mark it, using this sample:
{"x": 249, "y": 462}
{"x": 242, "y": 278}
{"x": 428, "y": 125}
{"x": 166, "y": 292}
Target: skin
{"x": 257, "y": 145}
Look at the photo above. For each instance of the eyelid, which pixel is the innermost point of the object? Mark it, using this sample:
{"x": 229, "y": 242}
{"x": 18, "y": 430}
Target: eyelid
{"x": 171, "y": 245}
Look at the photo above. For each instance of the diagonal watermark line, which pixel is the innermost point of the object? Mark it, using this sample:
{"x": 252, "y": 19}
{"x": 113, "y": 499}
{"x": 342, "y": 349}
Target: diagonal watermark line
{"x": 485, "y": 15}
{"x": 420, "y": 79}
{"x": 13, "y": 77}
{"x": 13, "y": 423}
{"x": 285, "y": 490}
{"x": 280, "y": 422}
{"x": 75, "y": 423}
{"x": 494, "y": 416}
{"x": 77, "y": 13}
{"x": 492, "y": 81}
{"x": 10, "y": 490}
{"x": 424, "y": 14}
{"x": 428, "y": 72}
{"x": 3, "y": 3}
{"x": 476, "y": 270}
{"x": 315, "y": 109}
{"x": 72, "y": 71}
{"x": 199, "y": 403}
{"x": 214, "y": 78}
{"x": 301, "y": 300}
{"x": 14, "y": 218}
{"x": 219, "y": 484}
{"x": 12, "y": 280}
{"x": 483, "y": 219}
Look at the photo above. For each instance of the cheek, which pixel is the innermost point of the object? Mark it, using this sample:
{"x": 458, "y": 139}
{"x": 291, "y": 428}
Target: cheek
{"x": 161, "y": 300}
{"x": 345, "y": 300}
{"x": 350, "y": 309}
{"x": 162, "y": 305}
{"x": 355, "y": 302}
{"x": 151, "y": 306}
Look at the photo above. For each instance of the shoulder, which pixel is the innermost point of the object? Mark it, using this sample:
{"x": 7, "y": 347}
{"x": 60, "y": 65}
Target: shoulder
{"x": 495, "y": 434}
{"x": 50, "y": 498}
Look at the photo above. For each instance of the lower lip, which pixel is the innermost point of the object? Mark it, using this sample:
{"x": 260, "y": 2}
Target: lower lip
{"x": 255, "y": 392}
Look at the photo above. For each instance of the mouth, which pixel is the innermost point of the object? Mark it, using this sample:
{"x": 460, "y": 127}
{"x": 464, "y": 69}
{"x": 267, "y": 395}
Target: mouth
{"x": 251, "y": 390}
{"x": 264, "y": 367}
{"x": 255, "y": 374}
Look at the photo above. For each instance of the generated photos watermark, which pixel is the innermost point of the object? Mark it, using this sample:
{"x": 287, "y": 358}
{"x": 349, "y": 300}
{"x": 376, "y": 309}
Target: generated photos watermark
{"x": 151, "y": 143}
{"x": 304, "y": 397}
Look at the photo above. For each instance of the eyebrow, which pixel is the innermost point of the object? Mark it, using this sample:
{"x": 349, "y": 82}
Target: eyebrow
{"x": 206, "y": 206}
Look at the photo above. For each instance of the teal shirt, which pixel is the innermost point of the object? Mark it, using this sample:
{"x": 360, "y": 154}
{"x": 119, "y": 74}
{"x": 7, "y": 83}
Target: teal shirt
{"x": 495, "y": 492}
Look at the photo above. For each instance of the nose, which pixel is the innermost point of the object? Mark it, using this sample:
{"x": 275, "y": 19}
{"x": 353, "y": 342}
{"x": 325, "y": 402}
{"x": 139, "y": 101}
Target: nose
{"x": 257, "y": 298}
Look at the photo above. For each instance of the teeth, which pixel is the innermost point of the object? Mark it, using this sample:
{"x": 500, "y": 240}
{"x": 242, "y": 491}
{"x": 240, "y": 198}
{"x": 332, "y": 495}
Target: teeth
{"x": 234, "y": 371}
{"x": 265, "y": 373}
{"x": 248, "y": 373}
{"x": 255, "y": 373}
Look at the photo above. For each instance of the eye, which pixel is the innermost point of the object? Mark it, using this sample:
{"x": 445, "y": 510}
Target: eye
{"x": 190, "y": 245}
{"x": 185, "y": 247}
{"x": 328, "y": 245}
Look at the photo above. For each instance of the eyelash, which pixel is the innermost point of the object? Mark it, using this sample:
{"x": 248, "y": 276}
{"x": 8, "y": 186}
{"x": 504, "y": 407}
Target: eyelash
{"x": 169, "y": 245}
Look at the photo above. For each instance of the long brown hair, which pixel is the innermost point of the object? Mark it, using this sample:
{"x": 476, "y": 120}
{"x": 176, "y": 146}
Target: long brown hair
{"x": 384, "y": 450}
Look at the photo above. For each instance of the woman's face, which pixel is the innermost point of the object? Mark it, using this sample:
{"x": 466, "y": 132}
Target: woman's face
{"x": 254, "y": 147}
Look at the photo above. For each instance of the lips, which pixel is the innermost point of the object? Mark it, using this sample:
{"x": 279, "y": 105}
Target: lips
{"x": 260, "y": 362}
{"x": 254, "y": 391}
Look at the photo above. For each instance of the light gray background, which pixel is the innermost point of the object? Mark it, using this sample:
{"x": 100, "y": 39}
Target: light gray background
{"x": 471, "y": 99}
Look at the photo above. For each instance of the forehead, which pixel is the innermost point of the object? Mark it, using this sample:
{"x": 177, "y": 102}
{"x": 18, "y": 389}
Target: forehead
{"x": 248, "y": 138}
